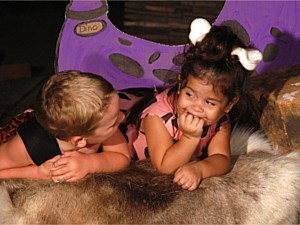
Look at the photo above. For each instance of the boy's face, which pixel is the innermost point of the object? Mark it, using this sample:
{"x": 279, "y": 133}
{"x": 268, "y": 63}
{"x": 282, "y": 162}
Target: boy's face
{"x": 109, "y": 123}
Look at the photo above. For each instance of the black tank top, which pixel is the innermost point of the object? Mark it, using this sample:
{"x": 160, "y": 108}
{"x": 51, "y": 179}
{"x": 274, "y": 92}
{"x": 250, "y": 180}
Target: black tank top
{"x": 40, "y": 144}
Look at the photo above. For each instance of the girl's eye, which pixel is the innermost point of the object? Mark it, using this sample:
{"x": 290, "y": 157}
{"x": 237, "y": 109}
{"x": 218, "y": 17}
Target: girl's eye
{"x": 210, "y": 103}
{"x": 189, "y": 94}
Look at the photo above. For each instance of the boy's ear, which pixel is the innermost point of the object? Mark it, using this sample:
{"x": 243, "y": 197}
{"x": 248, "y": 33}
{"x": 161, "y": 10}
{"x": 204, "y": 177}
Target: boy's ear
{"x": 231, "y": 104}
{"x": 78, "y": 141}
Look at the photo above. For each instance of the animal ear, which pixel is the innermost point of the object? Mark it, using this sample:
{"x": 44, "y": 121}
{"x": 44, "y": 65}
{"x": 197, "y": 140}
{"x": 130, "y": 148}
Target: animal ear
{"x": 78, "y": 141}
{"x": 231, "y": 104}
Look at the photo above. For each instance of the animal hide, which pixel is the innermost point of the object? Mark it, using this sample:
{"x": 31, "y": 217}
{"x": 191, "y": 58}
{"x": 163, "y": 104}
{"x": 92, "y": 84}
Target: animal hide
{"x": 262, "y": 188}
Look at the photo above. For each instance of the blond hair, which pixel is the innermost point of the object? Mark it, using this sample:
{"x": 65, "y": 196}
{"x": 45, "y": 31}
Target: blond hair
{"x": 72, "y": 103}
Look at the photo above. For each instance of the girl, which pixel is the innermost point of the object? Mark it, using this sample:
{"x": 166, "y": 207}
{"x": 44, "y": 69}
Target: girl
{"x": 186, "y": 130}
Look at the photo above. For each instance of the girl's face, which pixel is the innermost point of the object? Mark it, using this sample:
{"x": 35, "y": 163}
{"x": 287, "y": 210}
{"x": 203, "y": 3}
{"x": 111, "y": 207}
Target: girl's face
{"x": 199, "y": 99}
{"x": 109, "y": 123}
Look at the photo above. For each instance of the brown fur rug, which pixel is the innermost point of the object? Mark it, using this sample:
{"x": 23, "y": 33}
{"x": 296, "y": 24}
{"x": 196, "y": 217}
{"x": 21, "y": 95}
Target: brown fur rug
{"x": 262, "y": 188}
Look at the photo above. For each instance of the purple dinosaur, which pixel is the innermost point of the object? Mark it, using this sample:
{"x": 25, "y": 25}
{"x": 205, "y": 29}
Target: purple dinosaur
{"x": 90, "y": 42}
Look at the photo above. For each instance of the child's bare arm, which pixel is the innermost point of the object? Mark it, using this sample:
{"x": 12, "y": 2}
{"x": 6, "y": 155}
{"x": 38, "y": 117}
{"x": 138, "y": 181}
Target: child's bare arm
{"x": 41, "y": 172}
{"x": 166, "y": 155}
{"x": 217, "y": 163}
{"x": 27, "y": 172}
{"x": 75, "y": 165}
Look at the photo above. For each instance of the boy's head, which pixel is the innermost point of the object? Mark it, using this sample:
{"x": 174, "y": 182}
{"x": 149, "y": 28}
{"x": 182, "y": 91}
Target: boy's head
{"x": 72, "y": 103}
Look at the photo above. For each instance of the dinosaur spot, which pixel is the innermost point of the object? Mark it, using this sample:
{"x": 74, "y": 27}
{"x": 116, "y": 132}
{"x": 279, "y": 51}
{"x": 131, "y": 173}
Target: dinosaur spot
{"x": 124, "y": 41}
{"x": 270, "y": 52}
{"x": 155, "y": 56}
{"x": 127, "y": 65}
{"x": 179, "y": 59}
{"x": 276, "y": 32}
{"x": 164, "y": 75}
{"x": 238, "y": 29}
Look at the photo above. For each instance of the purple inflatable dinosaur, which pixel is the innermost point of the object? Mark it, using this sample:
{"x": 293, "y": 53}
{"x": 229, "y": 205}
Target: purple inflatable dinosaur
{"x": 90, "y": 42}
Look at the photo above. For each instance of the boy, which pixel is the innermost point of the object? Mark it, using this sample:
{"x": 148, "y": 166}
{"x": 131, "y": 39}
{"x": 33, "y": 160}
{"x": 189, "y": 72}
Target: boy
{"x": 76, "y": 113}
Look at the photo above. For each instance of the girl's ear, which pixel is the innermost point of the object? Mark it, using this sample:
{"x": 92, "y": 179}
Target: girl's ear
{"x": 78, "y": 141}
{"x": 231, "y": 104}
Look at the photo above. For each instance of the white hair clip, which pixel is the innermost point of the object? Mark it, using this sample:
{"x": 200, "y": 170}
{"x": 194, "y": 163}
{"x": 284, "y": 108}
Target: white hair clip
{"x": 199, "y": 28}
{"x": 248, "y": 58}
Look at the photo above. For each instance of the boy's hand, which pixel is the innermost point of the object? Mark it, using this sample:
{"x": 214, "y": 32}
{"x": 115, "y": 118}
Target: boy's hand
{"x": 44, "y": 170}
{"x": 71, "y": 167}
{"x": 188, "y": 176}
{"x": 190, "y": 126}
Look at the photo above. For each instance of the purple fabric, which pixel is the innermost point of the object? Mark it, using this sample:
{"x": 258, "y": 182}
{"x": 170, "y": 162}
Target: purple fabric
{"x": 139, "y": 60}
{"x": 258, "y": 18}
{"x": 91, "y": 54}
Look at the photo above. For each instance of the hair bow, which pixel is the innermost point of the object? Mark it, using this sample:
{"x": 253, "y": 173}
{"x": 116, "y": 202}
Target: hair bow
{"x": 199, "y": 28}
{"x": 248, "y": 58}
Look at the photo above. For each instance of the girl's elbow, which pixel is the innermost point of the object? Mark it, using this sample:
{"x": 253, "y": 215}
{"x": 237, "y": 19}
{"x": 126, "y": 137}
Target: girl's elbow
{"x": 127, "y": 160}
{"x": 227, "y": 164}
{"x": 164, "y": 170}
{"x": 124, "y": 164}
{"x": 124, "y": 161}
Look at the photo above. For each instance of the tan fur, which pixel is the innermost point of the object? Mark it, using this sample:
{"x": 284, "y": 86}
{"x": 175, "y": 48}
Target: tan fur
{"x": 262, "y": 188}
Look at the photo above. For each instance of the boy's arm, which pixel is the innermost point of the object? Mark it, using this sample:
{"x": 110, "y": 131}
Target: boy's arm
{"x": 41, "y": 172}
{"x": 27, "y": 172}
{"x": 75, "y": 165}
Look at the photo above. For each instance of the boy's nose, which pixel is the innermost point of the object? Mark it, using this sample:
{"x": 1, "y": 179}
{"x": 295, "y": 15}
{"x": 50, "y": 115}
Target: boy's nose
{"x": 121, "y": 117}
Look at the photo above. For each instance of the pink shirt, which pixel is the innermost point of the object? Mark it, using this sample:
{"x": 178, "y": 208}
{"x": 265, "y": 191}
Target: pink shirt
{"x": 163, "y": 109}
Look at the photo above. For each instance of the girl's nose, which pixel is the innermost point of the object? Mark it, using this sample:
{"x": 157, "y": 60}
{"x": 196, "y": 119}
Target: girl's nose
{"x": 197, "y": 107}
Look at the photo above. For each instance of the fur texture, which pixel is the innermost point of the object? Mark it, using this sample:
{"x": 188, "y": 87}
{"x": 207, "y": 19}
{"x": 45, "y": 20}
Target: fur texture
{"x": 262, "y": 188}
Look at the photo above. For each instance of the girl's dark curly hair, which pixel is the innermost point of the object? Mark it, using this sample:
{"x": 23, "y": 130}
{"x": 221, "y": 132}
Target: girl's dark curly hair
{"x": 211, "y": 60}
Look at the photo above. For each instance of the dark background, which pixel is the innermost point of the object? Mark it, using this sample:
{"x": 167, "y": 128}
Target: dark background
{"x": 28, "y": 34}
{"x": 29, "y": 31}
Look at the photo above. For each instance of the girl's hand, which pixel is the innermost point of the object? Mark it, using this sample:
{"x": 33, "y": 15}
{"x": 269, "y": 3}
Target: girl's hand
{"x": 188, "y": 176}
{"x": 190, "y": 126}
{"x": 71, "y": 167}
